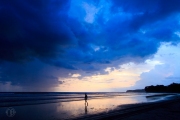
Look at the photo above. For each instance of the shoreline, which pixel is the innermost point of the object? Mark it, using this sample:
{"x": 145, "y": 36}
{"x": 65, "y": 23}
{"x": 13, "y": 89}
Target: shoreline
{"x": 130, "y": 110}
{"x": 8, "y": 101}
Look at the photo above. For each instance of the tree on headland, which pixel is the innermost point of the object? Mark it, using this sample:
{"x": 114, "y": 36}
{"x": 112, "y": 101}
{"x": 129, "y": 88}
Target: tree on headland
{"x": 173, "y": 88}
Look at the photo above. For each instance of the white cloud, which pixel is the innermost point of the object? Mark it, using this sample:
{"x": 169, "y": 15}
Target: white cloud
{"x": 168, "y": 55}
{"x": 177, "y": 33}
{"x": 91, "y": 11}
{"x": 76, "y": 75}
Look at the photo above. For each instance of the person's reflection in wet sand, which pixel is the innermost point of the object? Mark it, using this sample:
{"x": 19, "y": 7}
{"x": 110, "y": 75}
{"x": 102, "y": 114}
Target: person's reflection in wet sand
{"x": 86, "y": 108}
{"x": 86, "y": 103}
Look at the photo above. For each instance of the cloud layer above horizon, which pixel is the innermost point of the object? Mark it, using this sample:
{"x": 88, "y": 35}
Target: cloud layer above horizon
{"x": 44, "y": 43}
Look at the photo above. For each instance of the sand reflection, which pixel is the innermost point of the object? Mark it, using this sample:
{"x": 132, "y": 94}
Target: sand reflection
{"x": 94, "y": 106}
{"x": 86, "y": 104}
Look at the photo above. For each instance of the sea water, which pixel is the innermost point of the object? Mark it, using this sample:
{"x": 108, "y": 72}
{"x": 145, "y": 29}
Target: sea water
{"x": 65, "y": 105}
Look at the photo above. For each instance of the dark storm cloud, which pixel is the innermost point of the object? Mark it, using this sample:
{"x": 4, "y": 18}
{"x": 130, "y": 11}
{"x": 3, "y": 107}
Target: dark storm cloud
{"x": 33, "y": 76}
{"x": 147, "y": 11}
{"x": 56, "y": 33}
{"x": 31, "y": 29}
{"x": 45, "y": 30}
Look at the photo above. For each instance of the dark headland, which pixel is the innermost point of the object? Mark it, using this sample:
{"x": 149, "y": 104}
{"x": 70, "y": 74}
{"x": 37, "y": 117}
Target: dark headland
{"x": 172, "y": 88}
{"x": 137, "y": 90}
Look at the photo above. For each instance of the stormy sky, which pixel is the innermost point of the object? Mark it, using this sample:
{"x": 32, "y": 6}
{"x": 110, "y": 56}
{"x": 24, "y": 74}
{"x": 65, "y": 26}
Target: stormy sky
{"x": 88, "y": 45}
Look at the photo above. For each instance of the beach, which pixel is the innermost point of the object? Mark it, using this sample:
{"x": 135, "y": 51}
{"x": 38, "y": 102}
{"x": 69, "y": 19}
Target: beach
{"x": 165, "y": 112}
{"x": 61, "y": 106}
{"x": 161, "y": 110}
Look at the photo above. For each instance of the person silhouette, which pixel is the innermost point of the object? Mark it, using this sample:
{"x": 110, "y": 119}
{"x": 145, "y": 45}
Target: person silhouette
{"x": 85, "y": 97}
{"x": 86, "y": 103}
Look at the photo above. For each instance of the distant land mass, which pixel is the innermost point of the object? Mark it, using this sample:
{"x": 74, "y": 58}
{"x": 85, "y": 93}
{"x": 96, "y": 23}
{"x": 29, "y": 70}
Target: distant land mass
{"x": 172, "y": 88}
{"x": 137, "y": 90}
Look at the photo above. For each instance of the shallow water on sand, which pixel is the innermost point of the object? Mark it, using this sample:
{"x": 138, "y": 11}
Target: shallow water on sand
{"x": 47, "y": 109}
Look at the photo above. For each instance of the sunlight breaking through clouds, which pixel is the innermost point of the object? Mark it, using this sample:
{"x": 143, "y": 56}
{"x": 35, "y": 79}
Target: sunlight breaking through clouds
{"x": 127, "y": 75}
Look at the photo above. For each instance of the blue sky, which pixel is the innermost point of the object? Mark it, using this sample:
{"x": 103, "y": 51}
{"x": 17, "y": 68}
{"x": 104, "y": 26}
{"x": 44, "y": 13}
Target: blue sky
{"x": 97, "y": 45}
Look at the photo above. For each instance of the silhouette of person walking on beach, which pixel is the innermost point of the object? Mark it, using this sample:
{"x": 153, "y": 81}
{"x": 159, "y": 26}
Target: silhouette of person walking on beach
{"x": 86, "y": 103}
{"x": 86, "y": 99}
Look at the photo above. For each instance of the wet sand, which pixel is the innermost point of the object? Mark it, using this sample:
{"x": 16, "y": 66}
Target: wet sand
{"x": 60, "y": 107}
{"x": 162, "y": 110}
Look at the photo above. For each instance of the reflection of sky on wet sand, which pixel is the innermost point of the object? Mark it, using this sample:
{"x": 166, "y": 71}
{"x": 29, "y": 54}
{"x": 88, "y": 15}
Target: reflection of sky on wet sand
{"x": 63, "y": 110}
{"x": 78, "y": 108}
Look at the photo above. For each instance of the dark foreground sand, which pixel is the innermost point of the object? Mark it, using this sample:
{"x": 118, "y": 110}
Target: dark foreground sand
{"x": 163, "y": 110}
{"x": 169, "y": 111}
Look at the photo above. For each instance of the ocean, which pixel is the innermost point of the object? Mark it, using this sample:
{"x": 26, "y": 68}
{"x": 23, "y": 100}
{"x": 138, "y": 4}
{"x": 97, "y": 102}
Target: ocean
{"x": 68, "y": 105}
